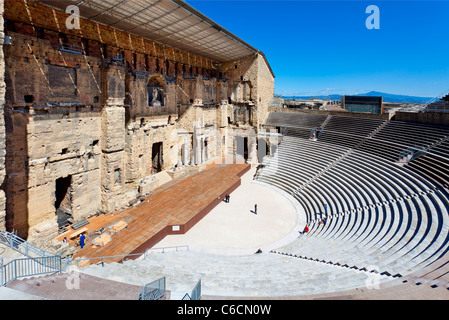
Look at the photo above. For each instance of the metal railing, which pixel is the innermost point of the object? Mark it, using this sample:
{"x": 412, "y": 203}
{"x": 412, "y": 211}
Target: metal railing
{"x": 195, "y": 294}
{"x": 435, "y": 108}
{"x": 22, "y": 246}
{"x": 123, "y": 257}
{"x": 39, "y": 261}
{"x": 432, "y": 105}
{"x": 49, "y": 263}
{"x": 154, "y": 290}
{"x": 28, "y": 267}
{"x": 66, "y": 47}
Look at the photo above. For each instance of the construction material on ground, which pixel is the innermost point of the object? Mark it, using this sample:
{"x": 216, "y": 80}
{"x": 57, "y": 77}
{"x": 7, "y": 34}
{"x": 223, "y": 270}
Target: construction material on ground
{"x": 80, "y": 224}
{"x": 101, "y": 240}
{"x": 119, "y": 226}
{"x": 77, "y": 233}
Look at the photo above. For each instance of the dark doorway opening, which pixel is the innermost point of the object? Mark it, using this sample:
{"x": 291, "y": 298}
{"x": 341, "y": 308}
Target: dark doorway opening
{"x": 206, "y": 151}
{"x": 245, "y": 148}
{"x": 63, "y": 202}
{"x": 157, "y": 157}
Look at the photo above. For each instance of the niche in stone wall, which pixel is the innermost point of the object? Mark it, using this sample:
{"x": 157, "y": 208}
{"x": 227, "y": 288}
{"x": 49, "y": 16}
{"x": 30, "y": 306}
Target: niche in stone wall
{"x": 156, "y": 92}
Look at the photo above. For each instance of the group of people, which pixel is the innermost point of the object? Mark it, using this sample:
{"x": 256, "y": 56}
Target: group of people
{"x": 82, "y": 240}
{"x": 228, "y": 197}
{"x": 322, "y": 221}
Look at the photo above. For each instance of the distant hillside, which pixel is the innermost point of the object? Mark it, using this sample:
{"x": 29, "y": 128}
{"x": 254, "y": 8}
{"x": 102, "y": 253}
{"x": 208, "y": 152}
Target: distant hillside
{"x": 388, "y": 97}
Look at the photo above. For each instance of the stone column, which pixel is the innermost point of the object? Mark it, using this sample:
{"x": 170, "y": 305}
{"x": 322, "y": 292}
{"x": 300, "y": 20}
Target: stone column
{"x": 185, "y": 152}
{"x": 113, "y": 155}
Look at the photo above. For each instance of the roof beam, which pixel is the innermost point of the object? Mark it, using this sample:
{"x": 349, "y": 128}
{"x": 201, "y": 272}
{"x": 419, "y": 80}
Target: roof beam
{"x": 165, "y": 14}
{"x": 139, "y": 12}
{"x": 109, "y": 9}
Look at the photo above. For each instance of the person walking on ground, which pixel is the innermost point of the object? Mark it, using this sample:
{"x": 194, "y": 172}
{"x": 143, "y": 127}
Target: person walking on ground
{"x": 255, "y": 209}
{"x": 82, "y": 239}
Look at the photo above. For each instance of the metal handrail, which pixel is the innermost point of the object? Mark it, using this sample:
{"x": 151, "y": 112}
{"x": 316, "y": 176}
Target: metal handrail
{"x": 50, "y": 263}
{"x": 27, "y": 267}
{"x": 196, "y": 292}
{"x": 186, "y": 297}
{"x": 22, "y": 246}
{"x": 123, "y": 256}
{"x": 154, "y": 290}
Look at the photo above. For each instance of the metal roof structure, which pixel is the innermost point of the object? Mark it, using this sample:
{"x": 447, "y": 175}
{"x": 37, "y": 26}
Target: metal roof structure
{"x": 171, "y": 22}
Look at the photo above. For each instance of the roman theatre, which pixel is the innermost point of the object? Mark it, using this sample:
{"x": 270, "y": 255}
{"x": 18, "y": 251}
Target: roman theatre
{"x": 140, "y": 140}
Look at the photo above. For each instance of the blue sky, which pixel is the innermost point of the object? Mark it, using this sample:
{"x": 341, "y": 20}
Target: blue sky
{"x": 324, "y": 47}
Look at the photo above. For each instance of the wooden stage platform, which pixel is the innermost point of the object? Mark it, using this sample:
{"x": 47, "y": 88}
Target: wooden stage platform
{"x": 182, "y": 205}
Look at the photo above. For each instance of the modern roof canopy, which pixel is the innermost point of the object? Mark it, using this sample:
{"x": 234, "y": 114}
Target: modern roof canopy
{"x": 171, "y": 22}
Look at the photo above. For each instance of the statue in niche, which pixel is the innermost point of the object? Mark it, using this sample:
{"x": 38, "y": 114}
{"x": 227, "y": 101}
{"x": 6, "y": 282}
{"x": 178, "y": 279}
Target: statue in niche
{"x": 155, "y": 102}
{"x": 156, "y": 97}
{"x": 156, "y": 93}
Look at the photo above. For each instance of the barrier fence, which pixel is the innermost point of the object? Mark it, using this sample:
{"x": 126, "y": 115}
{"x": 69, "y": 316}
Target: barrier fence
{"x": 24, "y": 247}
{"x": 51, "y": 263}
{"x": 27, "y": 267}
{"x": 154, "y": 290}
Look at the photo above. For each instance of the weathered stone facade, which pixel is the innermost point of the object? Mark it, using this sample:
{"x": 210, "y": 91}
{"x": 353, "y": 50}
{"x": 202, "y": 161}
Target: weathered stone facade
{"x": 97, "y": 118}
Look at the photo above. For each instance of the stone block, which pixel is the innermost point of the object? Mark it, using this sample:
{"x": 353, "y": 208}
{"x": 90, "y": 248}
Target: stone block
{"x": 113, "y": 129}
{"x": 47, "y": 229}
{"x": 41, "y": 204}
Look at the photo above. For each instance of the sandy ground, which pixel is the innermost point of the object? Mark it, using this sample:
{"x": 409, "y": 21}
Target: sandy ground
{"x": 234, "y": 228}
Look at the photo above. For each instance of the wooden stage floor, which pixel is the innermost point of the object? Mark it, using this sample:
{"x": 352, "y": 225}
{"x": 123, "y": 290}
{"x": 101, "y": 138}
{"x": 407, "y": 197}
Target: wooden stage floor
{"x": 182, "y": 204}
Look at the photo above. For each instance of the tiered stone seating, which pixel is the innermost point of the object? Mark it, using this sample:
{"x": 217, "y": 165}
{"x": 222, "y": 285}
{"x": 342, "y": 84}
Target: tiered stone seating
{"x": 397, "y": 136}
{"x": 434, "y": 165}
{"x": 355, "y": 126}
{"x": 439, "y": 106}
{"x": 410, "y": 134}
{"x": 263, "y": 275}
{"x": 347, "y": 131}
{"x": 379, "y": 213}
{"x": 297, "y": 120}
{"x": 297, "y": 163}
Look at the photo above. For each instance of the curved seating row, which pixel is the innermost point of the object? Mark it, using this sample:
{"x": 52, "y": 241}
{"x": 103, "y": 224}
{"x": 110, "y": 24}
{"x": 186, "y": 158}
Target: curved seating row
{"x": 282, "y": 119}
{"x": 378, "y": 212}
{"x": 344, "y": 197}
